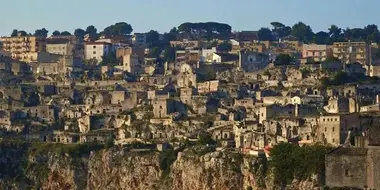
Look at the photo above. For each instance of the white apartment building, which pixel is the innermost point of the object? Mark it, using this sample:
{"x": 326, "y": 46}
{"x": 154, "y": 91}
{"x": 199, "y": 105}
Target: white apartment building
{"x": 207, "y": 54}
{"x": 95, "y": 50}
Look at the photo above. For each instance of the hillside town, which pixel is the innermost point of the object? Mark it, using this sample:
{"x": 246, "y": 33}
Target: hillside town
{"x": 247, "y": 91}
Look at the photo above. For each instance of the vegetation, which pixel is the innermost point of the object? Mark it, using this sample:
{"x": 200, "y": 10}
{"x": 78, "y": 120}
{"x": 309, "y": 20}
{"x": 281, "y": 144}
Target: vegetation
{"x": 304, "y": 32}
{"x": 265, "y": 34}
{"x": 284, "y": 59}
{"x": 206, "y": 30}
{"x": 225, "y": 46}
{"x": 205, "y": 138}
{"x": 41, "y": 32}
{"x": 167, "y": 158}
{"x": 120, "y": 28}
{"x": 290, "y": 161}
{"x": 206, "y": 73}
{"x": 169, "y": 54}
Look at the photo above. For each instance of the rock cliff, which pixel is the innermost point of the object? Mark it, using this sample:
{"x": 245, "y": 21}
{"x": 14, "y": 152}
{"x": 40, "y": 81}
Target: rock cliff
{"x": 120, "y": 168}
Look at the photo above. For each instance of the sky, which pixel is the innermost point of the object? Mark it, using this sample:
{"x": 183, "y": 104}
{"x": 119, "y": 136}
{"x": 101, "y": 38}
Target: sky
{"x": 162, "y": 15}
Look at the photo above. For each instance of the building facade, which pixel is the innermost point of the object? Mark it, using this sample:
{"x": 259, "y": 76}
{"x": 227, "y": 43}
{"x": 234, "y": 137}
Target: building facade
{"x": 96, "y": 50}
{"x": 351, "y": 52}
{"x": 139, "y": 39}
{"x": 21, "y": 46}
{"x": 315, "y": 52}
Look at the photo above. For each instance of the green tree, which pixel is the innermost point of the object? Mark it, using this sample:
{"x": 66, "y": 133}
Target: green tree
{"x": 264, "y": 34}
{"x": 79, "y": 33}
{"x": 110, "y": 59}
{"x": 302, "y": 31}
{"x": 152, "y": 38}
{"x": 371, "y": 33}
{"x": 120, "y": 28}
{"x": 207, "y": 30}
{"x": 92, "y": 32}
{"x": 169, "y": 54}
{"x": 225, "y": 46}
{"x": 290, "y": 161}
{"x": 283, "y": 59}
{"x": 277, "y": 25}
{"x": 14, "y": 33}
{"x": 322, "y": 38}
{"x": 155, "y": 52}
{"x": 280, "y": 29}
{"x": 205, "y": 138}
{"x": 65, "y": 33}
{"x": 336, "y": 33}
{"x": 41, "y": 33}
{"x": 56, "y": 33}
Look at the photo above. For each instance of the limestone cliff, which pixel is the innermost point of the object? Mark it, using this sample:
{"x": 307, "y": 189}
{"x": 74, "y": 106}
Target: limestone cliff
{"x": 120, "y": 168}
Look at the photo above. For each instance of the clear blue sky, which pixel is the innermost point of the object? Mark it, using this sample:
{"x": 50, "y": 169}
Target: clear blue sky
{"x": 162, "y": 15}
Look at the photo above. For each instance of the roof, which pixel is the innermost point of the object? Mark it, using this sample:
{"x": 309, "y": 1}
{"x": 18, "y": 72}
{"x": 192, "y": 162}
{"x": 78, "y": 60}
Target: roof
{"x": 97, "y": 43}
{"x": 343, "y": 151}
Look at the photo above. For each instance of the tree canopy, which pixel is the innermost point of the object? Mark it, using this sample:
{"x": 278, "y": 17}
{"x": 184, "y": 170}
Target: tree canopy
{"x": 290, "y": 161}
{"x": 79, "y": 33}
{"x": 265, "y": 34}
{"x": 65, "y": 33}
{"x": 56, "y": 33}
{"x": 169, "y": 54}
{"x": 283, "y": 59}
{"x": 206, "y": 29}
{"x": 280, "y": 29}
{"x": 120, "y": 28}
{"x": 41, "y": 32}
{"x": 152, "y": 38}
{"x": 15, "y": 33}
{"x": 92, "y": 32}
{"x": 155, "y": 52}
{"x": 225, "y": 46}
{"x": 302, "y": 31}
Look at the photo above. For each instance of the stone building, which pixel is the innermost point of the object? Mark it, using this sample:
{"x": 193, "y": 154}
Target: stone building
{"x": 160, "y": 106}
{"x": 186, "y": 95}
{"x": 333, "y": 129}
{"x": 337, "y": 105}
{"x": 353, "y": 168}
{"x": 252, "y": 61}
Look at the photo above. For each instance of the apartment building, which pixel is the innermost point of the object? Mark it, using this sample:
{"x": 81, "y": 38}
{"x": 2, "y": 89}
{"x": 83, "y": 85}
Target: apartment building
{"x": 316, "y": 52}
{"x": 22, "y": 46}
{"x": 96, "y": 50}
{"x": 65, "y": 45}
{"x": 188, "y": 55}
{"x": 139, "y": 39}
{"x": 66, "y": 49}
{"x": 351, "y": 52}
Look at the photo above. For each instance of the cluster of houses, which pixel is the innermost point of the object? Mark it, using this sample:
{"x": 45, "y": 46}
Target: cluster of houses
{"x": 60, "y": 89}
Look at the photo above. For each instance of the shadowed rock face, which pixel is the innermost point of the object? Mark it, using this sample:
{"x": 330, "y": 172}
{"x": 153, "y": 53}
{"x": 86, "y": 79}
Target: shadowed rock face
{"x": 121, "y": 169}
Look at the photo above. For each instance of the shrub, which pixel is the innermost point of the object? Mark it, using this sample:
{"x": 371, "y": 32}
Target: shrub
{"x": 291, "y": 161}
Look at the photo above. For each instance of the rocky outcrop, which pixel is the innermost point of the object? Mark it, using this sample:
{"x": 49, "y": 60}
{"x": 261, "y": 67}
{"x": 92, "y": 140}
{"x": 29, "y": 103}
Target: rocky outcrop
{"x": 120, "y": 168}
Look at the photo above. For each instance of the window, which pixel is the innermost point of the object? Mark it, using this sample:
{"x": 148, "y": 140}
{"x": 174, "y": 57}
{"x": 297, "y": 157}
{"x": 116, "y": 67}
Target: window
{"x": 94, "y": 47}
{"x": 346, "y": 172}
{"x": 94, "y": 52}
{"x": 325, "y": 129}
{"x": 333, "y": 129}
{"x": 333, "y": 140}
